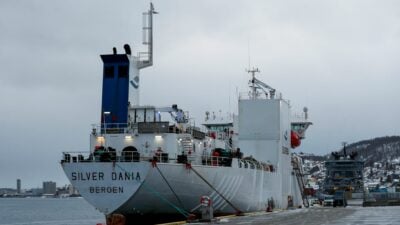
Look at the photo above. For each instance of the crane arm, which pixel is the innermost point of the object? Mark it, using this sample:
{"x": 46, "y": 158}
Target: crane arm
{"x": 176, "y": 114}
{"x": 262, "y": 84}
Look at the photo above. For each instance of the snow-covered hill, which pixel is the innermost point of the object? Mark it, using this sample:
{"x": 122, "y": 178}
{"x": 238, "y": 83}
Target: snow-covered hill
{"x": 381, "y": 156}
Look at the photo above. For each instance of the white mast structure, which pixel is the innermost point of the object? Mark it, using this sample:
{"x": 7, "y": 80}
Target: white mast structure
{"x": 255, "y": 84}
{"x": 143, "y": 59}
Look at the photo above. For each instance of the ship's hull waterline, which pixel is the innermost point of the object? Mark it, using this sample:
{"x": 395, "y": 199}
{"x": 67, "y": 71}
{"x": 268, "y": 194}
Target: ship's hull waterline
{"x": 143, "y": 188}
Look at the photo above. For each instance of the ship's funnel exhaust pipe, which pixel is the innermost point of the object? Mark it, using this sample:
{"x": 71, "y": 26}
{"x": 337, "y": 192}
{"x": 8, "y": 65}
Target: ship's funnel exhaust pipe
{"x": 128, "y": 50}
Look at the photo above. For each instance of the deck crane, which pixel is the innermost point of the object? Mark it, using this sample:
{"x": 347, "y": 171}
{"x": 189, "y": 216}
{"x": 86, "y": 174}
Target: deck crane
{"x": 178, "y": 115}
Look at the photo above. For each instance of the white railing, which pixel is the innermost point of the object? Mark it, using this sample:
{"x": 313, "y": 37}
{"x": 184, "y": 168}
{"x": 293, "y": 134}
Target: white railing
{"x": 260, "y": 95}
{"x": 134, "y": 156}
{"x": 216, "y": 161}
{"x": 110, "y": 156}
{"x": 299, "y": 117}
{"x": 109, "y": 128}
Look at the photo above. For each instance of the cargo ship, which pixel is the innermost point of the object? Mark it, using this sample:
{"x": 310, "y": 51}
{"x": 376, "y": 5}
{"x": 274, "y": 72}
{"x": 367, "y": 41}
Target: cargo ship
{"x": 153, "y": 162}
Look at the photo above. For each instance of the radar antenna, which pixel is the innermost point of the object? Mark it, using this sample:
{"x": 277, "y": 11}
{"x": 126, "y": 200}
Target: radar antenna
{"x": 344, "y": 149}
{"x": 255, "y": 84}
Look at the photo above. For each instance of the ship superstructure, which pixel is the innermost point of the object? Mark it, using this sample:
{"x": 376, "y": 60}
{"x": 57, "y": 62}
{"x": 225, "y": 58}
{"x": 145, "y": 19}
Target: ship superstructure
{"x": 344, "y": 172}
{"x": 150, "y": 160}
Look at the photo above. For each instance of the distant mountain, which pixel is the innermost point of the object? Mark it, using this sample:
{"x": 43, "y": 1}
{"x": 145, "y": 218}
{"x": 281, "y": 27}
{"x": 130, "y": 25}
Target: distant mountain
{"x": 382, "y": 149}
{"x": 381, "y": 156}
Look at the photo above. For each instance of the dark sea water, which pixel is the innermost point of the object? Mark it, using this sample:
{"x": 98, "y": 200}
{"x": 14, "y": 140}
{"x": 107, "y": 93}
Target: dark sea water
{"x": 46, "y": 211}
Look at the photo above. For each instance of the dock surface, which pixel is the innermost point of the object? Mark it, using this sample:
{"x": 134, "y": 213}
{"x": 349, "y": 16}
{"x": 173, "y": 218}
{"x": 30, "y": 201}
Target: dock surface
{"x": 321, "y": 216}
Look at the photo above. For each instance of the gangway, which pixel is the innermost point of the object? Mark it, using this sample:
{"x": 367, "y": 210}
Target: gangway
{"x": 299, "y": 176}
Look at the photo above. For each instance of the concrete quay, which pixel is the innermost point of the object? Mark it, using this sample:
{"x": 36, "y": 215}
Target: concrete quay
{"x": 319, "y": 216}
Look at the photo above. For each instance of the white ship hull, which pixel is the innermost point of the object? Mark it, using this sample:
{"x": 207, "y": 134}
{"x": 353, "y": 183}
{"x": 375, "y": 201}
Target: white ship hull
{"x": 146, "y": 191}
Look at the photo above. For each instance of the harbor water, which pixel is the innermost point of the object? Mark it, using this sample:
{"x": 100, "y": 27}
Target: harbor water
{"x": 46, "y": 211}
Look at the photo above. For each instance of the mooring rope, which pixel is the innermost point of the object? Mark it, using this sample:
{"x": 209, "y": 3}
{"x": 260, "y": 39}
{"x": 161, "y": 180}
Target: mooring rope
{"x": 238, "y": 211}
{"x": 181, "y": 211}
{"x": 166, "y": 181}
{"x": 153, "y": 191}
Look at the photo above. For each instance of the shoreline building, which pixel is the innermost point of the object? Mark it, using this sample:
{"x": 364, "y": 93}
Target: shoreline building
{"x": 18, "y": 186}
{"x": 49, "y": 188}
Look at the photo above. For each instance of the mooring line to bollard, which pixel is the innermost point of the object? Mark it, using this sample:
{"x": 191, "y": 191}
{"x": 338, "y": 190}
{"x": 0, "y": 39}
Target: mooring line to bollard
{"x": 153, "y": 191}
{"x": 238, "y": 211}
{"x": 181, "y": 211}
{"x": 166, "y": 181}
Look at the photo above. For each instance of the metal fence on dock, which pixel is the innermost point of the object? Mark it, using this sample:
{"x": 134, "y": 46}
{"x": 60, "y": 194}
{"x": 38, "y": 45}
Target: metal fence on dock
{"x": 381, "y": 198}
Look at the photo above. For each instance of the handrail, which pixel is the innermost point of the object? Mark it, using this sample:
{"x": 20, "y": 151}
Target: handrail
{"x": 134, "y": 156}
{"x": 124, "y": 128}
{"x": 110, "y": 156}
{"x": 105, "y": 128}
{"x": 260, "y": 95}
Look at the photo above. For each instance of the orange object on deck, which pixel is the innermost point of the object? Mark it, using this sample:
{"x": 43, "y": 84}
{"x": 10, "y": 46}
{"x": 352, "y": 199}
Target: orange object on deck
{"x": 294, "y": 139}
{"x": 214, "y": 158}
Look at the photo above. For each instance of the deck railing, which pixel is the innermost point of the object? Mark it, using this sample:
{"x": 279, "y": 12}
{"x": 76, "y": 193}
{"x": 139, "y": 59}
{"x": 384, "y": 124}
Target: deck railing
{"x": 144, "y": 128}
{"x": 134, "y": 156}
{"x": 110, "y": 128}
{"x": 109, "y": 156}
{"x": 381, "y": 196}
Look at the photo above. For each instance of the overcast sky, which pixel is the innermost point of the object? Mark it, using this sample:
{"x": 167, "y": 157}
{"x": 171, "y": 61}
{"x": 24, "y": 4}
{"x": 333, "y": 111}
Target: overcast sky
{"x": 338, "y": 58}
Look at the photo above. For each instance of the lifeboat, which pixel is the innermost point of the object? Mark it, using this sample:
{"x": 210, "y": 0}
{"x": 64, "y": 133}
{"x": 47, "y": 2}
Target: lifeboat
{"x": 294, "y": 139}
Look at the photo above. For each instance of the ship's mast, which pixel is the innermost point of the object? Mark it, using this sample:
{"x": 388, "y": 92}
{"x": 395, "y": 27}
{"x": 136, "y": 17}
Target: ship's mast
{"x": 143, "y": 59}
{"x": 253, "y": 87}
{"x": 344, "y": 149}
{"x": 146, "y": 58}
{"x": 255, "y": 84}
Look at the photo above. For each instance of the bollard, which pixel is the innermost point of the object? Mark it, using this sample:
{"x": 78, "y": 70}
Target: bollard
{"x": 207, "y": 213}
